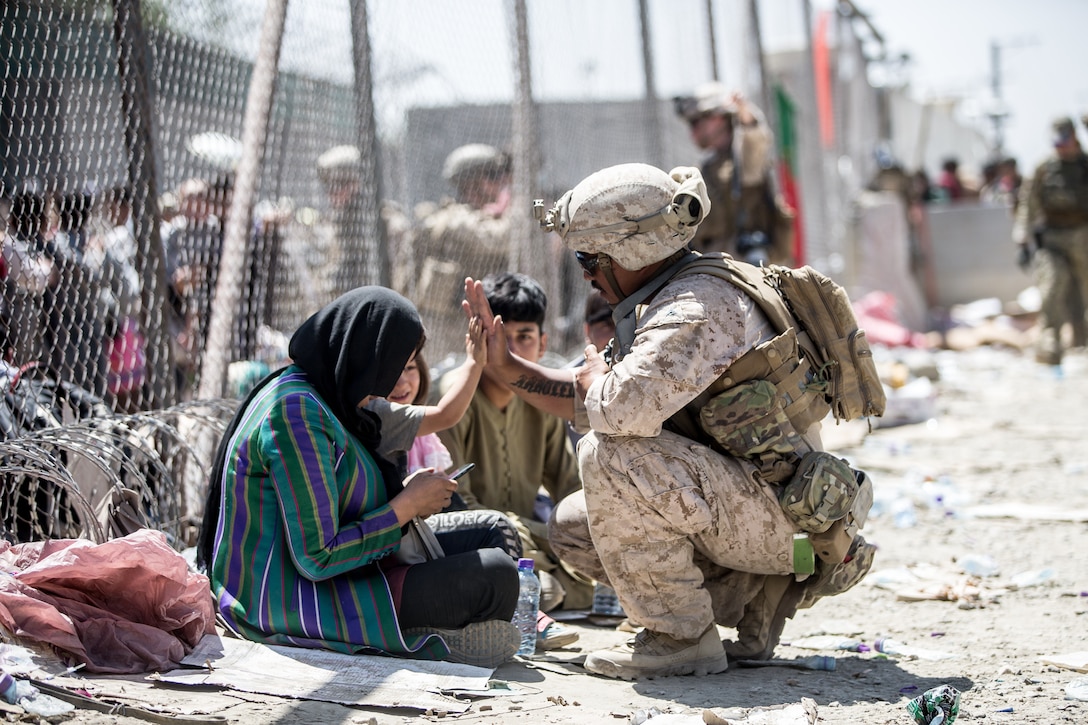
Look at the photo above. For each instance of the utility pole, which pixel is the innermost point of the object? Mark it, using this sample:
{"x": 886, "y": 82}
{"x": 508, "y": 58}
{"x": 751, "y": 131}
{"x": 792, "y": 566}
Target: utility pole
{"x": 997, "y": 113}
{"x": 713, "y": 40}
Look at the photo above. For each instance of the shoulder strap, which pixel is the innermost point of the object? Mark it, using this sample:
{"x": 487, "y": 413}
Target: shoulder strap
{"x": 754, "y": 281}
{"x": 625, "y": 312}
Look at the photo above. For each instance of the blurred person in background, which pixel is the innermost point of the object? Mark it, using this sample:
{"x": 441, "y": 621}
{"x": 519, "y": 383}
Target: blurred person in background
{"x": 748, "y": 219}
{"x": 76, "y": 322}
{"x": 193, "y": 245}
{"x": 1004, "y": 188}
{"x": 1051, "y": 231}
{"x": 113, "y": 253}
{"x": 468, "y": 234}
{"x": 950, "y": 185}
{"x": 598, "y": 329}
{"x": 597, "y": 323}
{"x": 28, "y": 274}
{"x": 339, "y": 169}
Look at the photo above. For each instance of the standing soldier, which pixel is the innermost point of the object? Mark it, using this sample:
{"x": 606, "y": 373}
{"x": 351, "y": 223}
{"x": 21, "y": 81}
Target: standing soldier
{"x": 747, "y": 219}
{"x": 466, "y": 236}
{"x": 1051, "y": 230}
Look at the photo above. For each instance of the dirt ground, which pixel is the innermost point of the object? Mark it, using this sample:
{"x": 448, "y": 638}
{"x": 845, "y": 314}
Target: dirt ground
{"x": 1005, "y": 432}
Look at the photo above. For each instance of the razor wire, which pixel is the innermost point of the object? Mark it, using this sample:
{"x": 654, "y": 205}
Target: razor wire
{"x": 104, "y": 477}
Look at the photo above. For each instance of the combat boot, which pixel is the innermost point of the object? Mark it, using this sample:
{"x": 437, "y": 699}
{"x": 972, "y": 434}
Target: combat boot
{"x": 760, "y": 627}
{"x": 652, "y": 654}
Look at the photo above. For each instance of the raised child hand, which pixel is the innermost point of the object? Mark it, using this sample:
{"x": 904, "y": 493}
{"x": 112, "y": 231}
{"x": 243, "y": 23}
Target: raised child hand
{"x": 476, "y": 341}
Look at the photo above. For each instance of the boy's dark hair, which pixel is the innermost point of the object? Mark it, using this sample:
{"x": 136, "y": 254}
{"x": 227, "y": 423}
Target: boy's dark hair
{"x": 517, "y": 297}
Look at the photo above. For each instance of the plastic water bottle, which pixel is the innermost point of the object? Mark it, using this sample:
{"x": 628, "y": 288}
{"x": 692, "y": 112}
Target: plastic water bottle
{"x": 528, "y": 606}
{"x": 894, "y": 647}
{"x": 30, "y": 698}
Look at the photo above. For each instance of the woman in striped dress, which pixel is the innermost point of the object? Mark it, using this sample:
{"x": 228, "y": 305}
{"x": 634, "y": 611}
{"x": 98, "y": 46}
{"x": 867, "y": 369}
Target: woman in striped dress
{"x": 302, "y": 515}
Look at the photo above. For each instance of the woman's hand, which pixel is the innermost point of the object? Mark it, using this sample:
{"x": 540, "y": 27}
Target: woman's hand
{"x": 426, "y": 492}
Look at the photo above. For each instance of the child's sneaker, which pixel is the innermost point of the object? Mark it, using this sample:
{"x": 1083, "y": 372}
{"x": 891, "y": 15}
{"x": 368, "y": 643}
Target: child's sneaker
{"x": 550, "y": 634}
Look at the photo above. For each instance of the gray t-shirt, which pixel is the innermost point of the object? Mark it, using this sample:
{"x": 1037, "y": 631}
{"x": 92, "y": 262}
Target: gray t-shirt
{"x": 400, "y": 424}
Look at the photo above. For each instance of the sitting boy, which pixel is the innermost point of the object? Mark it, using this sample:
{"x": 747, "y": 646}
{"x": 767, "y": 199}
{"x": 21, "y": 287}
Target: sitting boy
{"x": 519, "y": 449}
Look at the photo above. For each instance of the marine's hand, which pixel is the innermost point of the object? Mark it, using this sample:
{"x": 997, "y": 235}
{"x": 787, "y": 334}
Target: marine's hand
{"x": 425, "y": 492}
{"x": 475, "y": 303}
{"x": 584, "y": 375}
{"x": 498, "y": 353}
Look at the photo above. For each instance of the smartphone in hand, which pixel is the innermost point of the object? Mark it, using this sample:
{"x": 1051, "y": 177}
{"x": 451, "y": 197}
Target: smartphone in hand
{"x": 461, "y": 471}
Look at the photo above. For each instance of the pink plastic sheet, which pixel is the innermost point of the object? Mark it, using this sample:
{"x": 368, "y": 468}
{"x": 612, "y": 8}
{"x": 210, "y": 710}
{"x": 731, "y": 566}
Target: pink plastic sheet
{"x": 129, "y": 605}
{"x": 878, "y": 315}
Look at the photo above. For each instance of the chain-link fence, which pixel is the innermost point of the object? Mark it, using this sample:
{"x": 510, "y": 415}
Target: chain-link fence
{"x": 182, "y": 182}
{"x": 138, "y": 138}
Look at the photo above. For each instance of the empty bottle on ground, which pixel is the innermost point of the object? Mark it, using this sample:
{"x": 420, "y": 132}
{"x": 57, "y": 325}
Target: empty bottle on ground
{"x": 528, "y": 606}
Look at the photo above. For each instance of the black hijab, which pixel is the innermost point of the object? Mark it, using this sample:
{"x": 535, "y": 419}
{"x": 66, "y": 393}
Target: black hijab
{"x": 355, "y": 346}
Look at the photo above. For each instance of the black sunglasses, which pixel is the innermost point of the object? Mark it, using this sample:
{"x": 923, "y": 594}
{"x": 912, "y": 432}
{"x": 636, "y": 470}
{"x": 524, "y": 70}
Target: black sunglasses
{"x": 589, "y": 262}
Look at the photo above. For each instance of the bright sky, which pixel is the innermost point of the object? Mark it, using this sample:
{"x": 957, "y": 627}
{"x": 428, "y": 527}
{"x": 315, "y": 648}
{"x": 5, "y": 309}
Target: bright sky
{"x": 1042, "y": 71}
{"x": 436, "y": 53}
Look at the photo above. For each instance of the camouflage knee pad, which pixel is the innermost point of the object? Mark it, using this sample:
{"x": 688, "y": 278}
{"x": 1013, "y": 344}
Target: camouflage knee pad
{"x": 837, "y": 578}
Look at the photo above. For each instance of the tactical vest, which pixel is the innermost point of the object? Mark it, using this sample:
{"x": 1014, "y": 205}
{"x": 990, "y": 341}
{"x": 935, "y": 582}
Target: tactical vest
{"x": 763, "y": 404}
{"x": 1063, "y": 192}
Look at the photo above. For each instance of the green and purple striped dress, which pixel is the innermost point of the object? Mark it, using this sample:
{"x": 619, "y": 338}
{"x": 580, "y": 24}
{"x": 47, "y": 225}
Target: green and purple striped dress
{"x": 304, "y": 518}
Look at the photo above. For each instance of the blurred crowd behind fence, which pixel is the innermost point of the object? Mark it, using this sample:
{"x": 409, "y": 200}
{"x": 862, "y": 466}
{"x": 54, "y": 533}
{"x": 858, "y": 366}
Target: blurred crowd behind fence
{"x": 123, "y": 141}
{"x": 182, "y": 182}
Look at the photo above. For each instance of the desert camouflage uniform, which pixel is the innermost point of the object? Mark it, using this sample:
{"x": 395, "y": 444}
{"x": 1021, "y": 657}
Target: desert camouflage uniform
{"x": 683, "y": 534}
{"x": 453, "y": 242}
{"x": 1056, "y": 198}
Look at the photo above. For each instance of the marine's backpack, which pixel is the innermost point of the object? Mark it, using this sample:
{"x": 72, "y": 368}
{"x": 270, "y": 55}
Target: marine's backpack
{"x": 837, "y": 361}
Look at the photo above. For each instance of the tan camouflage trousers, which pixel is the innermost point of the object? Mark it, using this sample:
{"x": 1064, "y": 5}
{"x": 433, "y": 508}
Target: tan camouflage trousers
{"x": 675, "y": 528}
{"x": 1060, "y": 268}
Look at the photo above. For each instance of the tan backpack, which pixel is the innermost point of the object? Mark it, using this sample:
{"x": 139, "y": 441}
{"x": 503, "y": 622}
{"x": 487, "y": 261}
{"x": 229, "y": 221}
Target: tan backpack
{"x": 818, "y": 311}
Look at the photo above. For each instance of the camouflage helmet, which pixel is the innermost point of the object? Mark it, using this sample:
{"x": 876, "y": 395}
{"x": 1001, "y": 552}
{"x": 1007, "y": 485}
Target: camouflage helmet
{"x": 474, "y": 159}
{"x": 339, "y": 163}
{"x": 1063, "y": 130}
{"x": 636, "y": 214}
{"x": 709, "y": 98}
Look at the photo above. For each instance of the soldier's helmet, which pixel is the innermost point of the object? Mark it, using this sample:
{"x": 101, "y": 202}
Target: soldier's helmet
{"x": 475, "y": 160}
{"x": 709, "y": 98}
{"x": 636, "y": 214}
{"x": 339, "y": 164}
{"x": 1063, "y": 130}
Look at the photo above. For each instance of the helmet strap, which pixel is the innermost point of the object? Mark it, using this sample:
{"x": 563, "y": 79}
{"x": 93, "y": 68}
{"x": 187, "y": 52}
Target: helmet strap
{"x": 605, "y": 263}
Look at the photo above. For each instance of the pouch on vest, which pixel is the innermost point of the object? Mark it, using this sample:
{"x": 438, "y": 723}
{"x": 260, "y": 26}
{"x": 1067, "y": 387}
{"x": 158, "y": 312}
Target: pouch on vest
{"x": 748, "y": 421}
{"x": 823, "y": 309}
{"x": 833, "y": 545}
{"x": 822, "y": 491}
